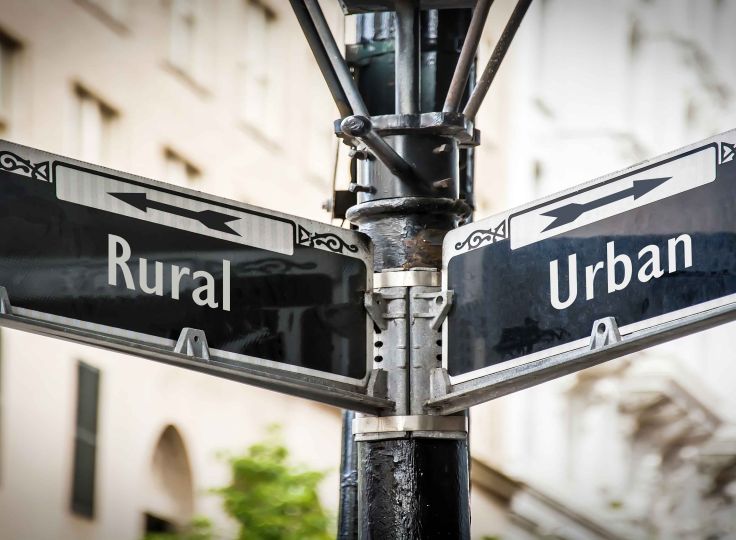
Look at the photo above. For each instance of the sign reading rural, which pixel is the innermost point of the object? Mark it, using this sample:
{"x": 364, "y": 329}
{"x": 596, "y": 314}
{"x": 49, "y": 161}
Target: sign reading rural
{"x": 95, "y": 251}
{"x": 647, "y": 246}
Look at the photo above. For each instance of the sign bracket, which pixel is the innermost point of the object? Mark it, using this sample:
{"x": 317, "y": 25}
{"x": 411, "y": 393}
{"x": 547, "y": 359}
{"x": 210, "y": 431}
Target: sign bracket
{"x": 193, "y": 342}
{"x": 439, "y": 383}
{"x": 375, "y": 305}
{"x": 378, "y": 383}
{"x": 5, "y": 308}
{"x": 439, "y": 307}
{"x": 605, "y": 332}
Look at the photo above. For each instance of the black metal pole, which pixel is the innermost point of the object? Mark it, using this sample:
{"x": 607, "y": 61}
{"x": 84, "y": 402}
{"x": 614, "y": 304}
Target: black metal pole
{"x": 348, "y": 512}
{"x": 410, "y": 485}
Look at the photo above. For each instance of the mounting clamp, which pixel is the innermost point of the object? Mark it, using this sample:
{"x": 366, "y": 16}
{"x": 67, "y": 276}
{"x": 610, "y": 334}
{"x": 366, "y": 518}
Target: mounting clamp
{"x": 440, "y": 305}
{"x": 605, "y": 332}
{"x": 193, "y": 342}
{"x": 5, "y": 308}
{"x": 370, "y": 428}
{"x": 375, "y": 305}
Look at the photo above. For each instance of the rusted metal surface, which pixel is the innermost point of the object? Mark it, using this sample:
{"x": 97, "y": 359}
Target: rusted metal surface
{"x": 408, "y": 232}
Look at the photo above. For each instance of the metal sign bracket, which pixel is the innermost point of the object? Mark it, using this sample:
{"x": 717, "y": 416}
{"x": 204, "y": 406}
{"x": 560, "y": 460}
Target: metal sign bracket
{"x": 605, "y": 332}
{"x": 378, "y": 383}
{"x": 193, "y": 342}
{"x": 375, "y": 305}
{"x": 5, "y": 308}
{"x": 440, "y": 304}
{"x": 439, "y": 383}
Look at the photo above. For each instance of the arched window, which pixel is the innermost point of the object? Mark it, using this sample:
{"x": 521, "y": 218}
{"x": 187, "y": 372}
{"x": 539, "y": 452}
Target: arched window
{"x": 170, "y": 497}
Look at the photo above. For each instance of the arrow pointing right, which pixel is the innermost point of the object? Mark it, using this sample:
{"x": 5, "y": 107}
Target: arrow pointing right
{"x": 570, "y": 212}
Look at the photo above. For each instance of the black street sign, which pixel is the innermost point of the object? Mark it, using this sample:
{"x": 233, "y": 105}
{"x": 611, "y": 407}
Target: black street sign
{"x": 650, "y": 247}
{"x": 120, "y": 261}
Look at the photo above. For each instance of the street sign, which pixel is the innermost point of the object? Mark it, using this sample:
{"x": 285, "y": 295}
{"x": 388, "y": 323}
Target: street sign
{"x": 123, "y": 262}
{"x": 651, "y": 247}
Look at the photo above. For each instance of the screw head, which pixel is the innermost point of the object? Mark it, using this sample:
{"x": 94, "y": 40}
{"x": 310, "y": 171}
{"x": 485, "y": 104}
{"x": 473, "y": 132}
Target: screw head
{"x": 355, "y": 126}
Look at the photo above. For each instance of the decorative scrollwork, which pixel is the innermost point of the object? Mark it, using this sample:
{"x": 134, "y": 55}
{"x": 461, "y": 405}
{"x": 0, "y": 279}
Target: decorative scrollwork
{"x": 273, "y": 266}
{"x": 328, "y": 240}
{"x": 728, "y": 151}
{"x": 479, "y": 237}
{"x": 13, "y": 163}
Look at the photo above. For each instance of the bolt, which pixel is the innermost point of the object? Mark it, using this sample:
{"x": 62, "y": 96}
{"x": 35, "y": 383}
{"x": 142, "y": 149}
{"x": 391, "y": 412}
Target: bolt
{"x": 357, "y": 188}
{"x": 359, "y": 153}
{"x": 356, "y": 126}
{"x": 442, "y": 184}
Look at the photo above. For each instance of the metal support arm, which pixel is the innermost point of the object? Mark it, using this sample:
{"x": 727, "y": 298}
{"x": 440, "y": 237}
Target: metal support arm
{"x": 465, "y": 62}
{"x": 361, "y": 128}
{"x": 329, "y": 58}
{"x": 489, "y": 73}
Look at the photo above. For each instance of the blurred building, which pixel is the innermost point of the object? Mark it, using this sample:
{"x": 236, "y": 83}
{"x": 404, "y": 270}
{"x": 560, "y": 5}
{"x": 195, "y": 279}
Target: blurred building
{"x": 224, "y": 96}
{"x": 645, "y": 444}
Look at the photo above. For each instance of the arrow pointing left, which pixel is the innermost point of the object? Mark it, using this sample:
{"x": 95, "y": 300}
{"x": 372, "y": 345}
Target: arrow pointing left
{"x": 209, "y": 218}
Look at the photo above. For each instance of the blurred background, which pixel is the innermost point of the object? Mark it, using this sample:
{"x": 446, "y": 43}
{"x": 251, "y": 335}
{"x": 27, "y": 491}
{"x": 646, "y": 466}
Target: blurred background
{"x": 224, "y": 96}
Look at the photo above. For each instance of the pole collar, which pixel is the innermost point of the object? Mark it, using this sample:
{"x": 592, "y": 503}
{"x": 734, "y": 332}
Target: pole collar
{"x": 417, "y": 277}
{"x": 368, "y": 428}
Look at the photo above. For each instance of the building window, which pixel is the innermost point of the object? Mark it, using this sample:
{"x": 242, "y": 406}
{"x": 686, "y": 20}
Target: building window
{"x": 85, "y": 441}
{"x": 93, "y": 127}
{"x": 178, "y": 170}
{"x": 157, "y": 525}
{"x": 9, "y": 53}
{"x": 169, "y": 496}
{"x": 255, "y": 67}
{"x": 183, "y": 36}
{"x": 112, "y": 12}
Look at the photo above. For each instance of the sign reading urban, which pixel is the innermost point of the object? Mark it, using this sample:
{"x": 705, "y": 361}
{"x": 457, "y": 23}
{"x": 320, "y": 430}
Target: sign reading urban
{"x": 89, "y": 252}
{"x": 647, "y": 246}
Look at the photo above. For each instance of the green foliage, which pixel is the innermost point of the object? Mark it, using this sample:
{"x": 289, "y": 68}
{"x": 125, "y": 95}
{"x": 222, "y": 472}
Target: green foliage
{"x": 272, "y": 499}
{"x": 269, "y": 497}
{"x": 199, "y": 529}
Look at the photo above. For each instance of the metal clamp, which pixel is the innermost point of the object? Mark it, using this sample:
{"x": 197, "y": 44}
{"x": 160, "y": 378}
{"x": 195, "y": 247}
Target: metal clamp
{"x": 378, "y": 383}
{"x": 439, "y": 308}
{"x": 193, "y": 342}
{"x": 425, "y": 426}
{"x": 361, "y": 128}
{"x": 605, "y": 332}
{"x": 417, "y": 277}
{"x": 5, "y": 308}
{"x": 439, "y": 383}
{"x": 375, "y": 305}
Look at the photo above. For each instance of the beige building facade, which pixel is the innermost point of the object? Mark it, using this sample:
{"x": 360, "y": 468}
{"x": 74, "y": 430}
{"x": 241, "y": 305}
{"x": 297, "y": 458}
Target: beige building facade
{"x": 224, "y": 96}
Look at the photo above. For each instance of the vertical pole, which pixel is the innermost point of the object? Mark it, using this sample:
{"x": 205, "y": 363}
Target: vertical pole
{"x": 412, "y": 483}
{"x": 408, "y": 38}
{"x": 348, "y": 512}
